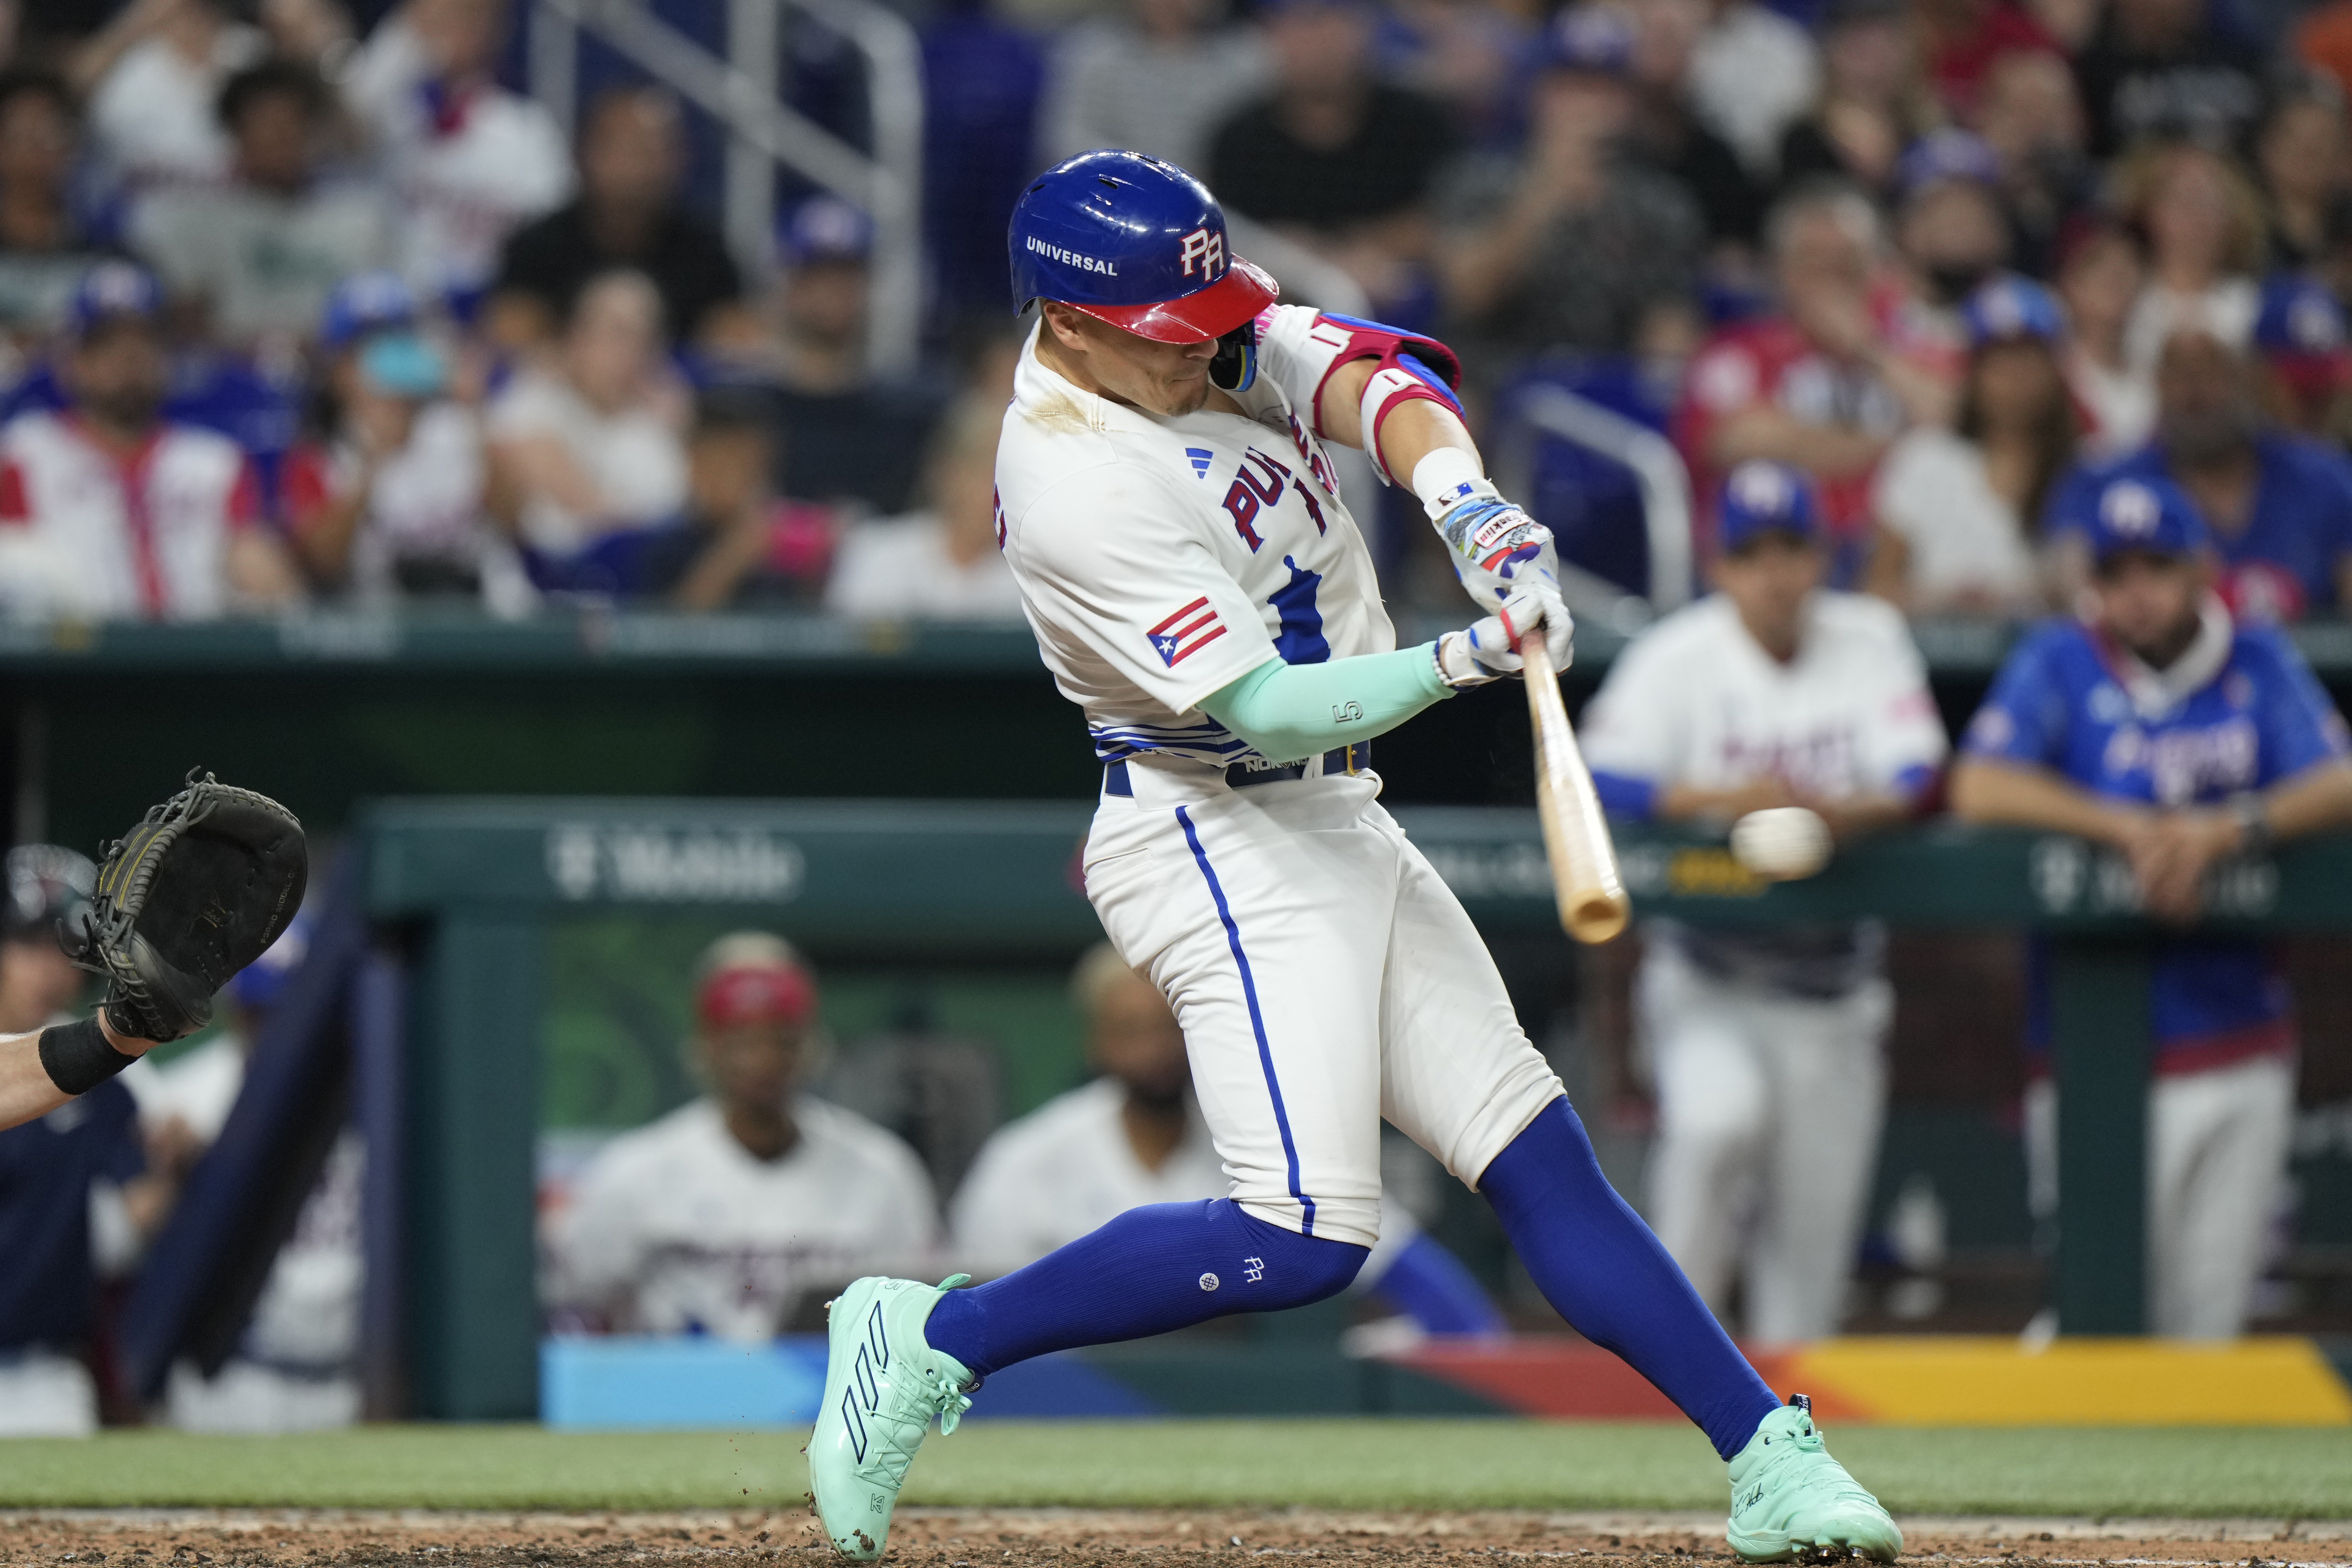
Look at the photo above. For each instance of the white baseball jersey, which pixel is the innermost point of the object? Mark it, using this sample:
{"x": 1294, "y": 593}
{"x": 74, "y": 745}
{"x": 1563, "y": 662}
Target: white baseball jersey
{"x": 1695, "y": 700}
{"x": 84, "y": 532}
{"x": 677, "y": 1227}
{"x": 1323, "y": 975}
{"x": 1160, "y": 559}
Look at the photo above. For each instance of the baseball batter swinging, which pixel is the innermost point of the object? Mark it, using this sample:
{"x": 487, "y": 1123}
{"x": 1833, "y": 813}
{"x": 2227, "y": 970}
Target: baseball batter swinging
{"x": 1199, "y": 588}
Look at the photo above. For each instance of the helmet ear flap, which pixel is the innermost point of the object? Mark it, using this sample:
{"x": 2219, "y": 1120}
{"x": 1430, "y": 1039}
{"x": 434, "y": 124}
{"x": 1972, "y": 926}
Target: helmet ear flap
{"x": 1235, "y": 364}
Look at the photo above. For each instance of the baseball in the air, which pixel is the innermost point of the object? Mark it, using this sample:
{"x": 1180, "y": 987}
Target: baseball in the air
{"x": 1782, "y": 844}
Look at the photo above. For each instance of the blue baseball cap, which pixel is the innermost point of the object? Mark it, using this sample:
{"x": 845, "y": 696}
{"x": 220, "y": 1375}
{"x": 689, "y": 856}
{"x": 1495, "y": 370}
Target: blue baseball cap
{"x": 1134, "y": 241}
{"x": 2299, "y": 316}
{"x": 824, "y": 228}
{"x": 1593, "y": 39}
{"x": 1944, "y": 155}
{"x": 362, "y": 303}
{"x": 1763, "y": 497}
{"x": 110, "y": 290}
{"x": 2146, "y": 513}
{"x": 2010, "y": 307}
{"x": 258, "y": 986}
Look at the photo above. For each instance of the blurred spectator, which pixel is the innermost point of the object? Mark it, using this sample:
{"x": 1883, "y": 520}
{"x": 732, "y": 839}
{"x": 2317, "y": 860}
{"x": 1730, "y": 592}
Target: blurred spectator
{"x": 983, "y": 81}
{"x": 1963, "y": 40}
{"x": 1670, "y": 134}
{"x": 2163, "y": 730}
{"x": 2099, "y": 278}
{"x": 2204, "y": 228}
{"x": 65, "y": 1179}
{"x": 734, "y": 545}
{"x": 1812, "y": 383}
{"x": 2307, "y": 366}
{"x": 844, "y": 434}
{"x": 107, "y": 510}
{"x": 154, "y": 76}
{"x": 1576, "y": 245}
{"x": 2301, "y": 156}
{"x": 1159, "y": 79}
{"x": 1873, "y": 102}
{"x": 2028, "y": 114}
{"x": 1770, "y": 692}
{"x": 941, "y": 563}
{"x": 384, "y": 500}
{"x": 2166, "y": 68}
{"x": 295, "y": 1366}
{"x": 1470, "y": 56}
{"x": 469, "y": 161}
{"x": 1952, "y": 236}
{"x": 1958, "y": 509}
{"x": 1134, "y": 1136}
{"x": 716, "y": 1218}
{"x": 589, "y": 444}
{"x": 2323, "y": 40}
{"x": 1753, "y": 74}
{"x": 1336, "y": 158}
{"x": 628, "y": 214}
{"x": 2276, "y": 507}
{"x": 254, "y": 256}
{"x": 44, "y": 248}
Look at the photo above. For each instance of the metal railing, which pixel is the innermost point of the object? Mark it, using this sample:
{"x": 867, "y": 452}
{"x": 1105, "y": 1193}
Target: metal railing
{"x": 764, "y": 133}
{"x": 1659, "y": 473}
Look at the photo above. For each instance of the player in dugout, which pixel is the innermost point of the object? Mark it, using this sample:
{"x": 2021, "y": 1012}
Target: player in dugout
{"x": 2164, "y": 729}
{"x": 716, "y": 1218}
{"x": 1133, "y": 1136}
{"x": 1198, "y": 588}
{"x": 1772, "y": 692}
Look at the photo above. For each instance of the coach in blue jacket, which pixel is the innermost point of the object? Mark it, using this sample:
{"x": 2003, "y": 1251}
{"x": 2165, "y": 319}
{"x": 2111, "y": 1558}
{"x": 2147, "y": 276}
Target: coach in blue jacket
{"x": 2160, "y": 728}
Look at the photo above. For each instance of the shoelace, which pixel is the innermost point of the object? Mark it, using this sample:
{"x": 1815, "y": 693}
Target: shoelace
{"x": 1808, "y": 1442}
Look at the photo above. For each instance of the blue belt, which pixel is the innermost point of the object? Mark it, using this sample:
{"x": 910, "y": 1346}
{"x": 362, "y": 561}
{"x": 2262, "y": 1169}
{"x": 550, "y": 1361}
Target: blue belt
{"x": 1339, "y": 760}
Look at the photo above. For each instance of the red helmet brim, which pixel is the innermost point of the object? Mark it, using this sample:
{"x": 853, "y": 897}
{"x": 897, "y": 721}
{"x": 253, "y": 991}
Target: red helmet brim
{"x": 1240, "y": 294}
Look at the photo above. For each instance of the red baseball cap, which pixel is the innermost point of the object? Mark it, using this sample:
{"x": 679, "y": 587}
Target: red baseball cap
{"x": 752, "y": 978}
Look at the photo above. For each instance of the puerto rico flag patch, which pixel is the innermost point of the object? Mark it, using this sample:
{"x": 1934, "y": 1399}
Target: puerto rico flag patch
{"x": 1186, "y": 633}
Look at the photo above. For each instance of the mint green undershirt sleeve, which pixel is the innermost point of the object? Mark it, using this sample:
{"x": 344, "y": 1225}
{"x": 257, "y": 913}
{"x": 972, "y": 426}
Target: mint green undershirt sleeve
{"x": 1290, "y": 712}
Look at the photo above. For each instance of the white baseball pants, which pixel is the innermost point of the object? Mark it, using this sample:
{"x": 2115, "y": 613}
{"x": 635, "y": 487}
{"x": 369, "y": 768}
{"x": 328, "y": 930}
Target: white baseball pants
{"x": 1325, "y": 977}
{"x": 2216, "y": 1146}
{"x": 1769, "y": 1108}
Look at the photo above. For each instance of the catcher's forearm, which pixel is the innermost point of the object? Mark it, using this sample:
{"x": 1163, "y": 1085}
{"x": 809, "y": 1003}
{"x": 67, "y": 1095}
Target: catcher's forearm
{"x": 27, "y": 1089}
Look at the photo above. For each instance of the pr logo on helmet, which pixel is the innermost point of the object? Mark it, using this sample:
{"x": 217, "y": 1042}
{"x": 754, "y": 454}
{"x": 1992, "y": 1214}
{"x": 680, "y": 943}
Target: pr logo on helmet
{"x": 1206, "y": 246}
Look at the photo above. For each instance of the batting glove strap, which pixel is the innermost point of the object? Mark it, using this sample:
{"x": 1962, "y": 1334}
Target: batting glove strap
{"x": 1496, "y": 548}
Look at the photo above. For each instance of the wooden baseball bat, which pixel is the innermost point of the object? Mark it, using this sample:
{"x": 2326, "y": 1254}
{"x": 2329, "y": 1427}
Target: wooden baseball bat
{"x": 1592, "y": 903}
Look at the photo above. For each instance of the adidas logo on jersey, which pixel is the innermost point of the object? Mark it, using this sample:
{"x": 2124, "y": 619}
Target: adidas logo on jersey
{"x": 1201, "y": 456}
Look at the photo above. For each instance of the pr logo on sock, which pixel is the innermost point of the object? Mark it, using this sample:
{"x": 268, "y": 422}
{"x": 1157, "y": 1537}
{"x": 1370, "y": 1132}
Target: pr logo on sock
{"x": 1254, "y": 1268}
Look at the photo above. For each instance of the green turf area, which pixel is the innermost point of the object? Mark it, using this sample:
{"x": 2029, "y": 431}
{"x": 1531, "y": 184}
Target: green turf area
{"x": 1359, "y": 1463}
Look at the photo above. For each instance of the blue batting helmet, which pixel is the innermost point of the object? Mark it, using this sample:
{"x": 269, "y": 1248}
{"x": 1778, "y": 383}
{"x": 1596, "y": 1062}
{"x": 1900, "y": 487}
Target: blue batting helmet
{"x": 1136, "y": 242}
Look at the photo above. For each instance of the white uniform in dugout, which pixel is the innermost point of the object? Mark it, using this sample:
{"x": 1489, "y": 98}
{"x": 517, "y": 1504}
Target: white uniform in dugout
{"x": 1761, "y": 1040}
{"x": 1323, "y": 975}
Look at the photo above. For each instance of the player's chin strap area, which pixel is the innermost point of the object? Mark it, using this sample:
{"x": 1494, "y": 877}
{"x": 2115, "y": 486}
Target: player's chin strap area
{"x": 1235, "y": 366}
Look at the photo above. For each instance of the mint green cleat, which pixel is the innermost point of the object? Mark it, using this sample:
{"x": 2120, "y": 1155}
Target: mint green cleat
{"x": 882, "y": 1386}
{"x": 1790, "y": 1498}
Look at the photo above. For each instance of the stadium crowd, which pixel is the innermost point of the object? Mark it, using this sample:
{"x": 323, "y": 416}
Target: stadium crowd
{"x": 308, "y": 304}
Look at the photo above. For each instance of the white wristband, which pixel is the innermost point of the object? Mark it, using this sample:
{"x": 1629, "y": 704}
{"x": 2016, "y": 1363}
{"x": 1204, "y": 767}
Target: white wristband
{"x": 1448, "y": 476}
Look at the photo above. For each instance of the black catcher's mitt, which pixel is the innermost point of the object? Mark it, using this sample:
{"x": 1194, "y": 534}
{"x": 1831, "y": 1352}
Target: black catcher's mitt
{"x": 198, "y": 890}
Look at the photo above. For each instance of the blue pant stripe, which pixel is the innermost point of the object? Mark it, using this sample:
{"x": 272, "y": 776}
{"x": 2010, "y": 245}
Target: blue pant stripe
{"x": 1257, "y": 1019}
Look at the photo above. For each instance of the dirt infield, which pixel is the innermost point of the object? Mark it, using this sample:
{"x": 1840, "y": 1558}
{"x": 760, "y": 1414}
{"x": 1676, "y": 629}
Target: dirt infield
{"x": 982, "y": 1538}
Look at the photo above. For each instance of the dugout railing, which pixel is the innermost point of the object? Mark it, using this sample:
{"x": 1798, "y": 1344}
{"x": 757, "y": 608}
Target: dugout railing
{"x": 471, "y": 887}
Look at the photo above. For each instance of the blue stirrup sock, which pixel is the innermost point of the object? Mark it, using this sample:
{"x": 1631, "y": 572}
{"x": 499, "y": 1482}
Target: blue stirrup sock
{"x": 1429, "y": 1285}
{"x": 1597, "y": 1263}
{"x": 1166, "y": 1266}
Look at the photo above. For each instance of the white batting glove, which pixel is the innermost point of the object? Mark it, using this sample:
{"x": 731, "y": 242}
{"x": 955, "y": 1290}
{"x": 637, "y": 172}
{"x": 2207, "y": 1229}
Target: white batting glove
{"x": 1496, "y": 548}
{"x": 1489, "y": 650}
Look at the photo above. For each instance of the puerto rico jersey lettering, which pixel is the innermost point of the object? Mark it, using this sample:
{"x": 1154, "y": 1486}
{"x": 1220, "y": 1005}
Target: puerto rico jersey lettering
{"x": 1162, "y": 559}
{"x": 2069, "y": 700}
